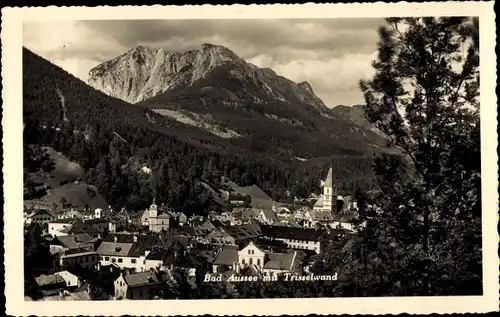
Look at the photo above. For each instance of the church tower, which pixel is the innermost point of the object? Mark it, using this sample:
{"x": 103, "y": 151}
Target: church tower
{"x": 328, "y": 192}
{"x": 153, "y": 210}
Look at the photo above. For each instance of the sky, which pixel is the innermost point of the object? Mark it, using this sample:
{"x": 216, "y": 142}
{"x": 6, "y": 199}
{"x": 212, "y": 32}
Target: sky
{"x": 331, "y": 54}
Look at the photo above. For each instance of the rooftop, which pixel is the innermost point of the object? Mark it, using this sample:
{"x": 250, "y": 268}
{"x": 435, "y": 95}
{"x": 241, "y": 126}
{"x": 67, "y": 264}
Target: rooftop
{"x": 140, "y": 279}
{"x": 294, "y": 233}
{"x": 68, "y": 220}
{"x": 112, "y": 248}
{"x": 283, "y": 261}
{"x": 72, "y": 241}
{"x": 43, "y": 280}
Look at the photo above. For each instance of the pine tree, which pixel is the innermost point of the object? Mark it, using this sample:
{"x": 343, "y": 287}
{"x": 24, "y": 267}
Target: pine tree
{"x": 424, "y": 96}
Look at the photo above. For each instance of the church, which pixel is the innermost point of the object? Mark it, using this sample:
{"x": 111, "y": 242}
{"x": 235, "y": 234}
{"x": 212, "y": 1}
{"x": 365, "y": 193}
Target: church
{"x": 327, "y": 202}
{"x": 156, "y": 220}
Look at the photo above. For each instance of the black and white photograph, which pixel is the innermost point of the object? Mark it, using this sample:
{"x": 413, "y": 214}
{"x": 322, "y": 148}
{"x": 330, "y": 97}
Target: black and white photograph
{"x": 202, "y": 158}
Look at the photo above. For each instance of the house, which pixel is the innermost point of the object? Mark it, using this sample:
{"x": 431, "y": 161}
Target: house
{"x": 80, "y": 257}
{"x": 68, "y": 296}
{"x": 280, "y": 263}
{"x": 220, "y": 236}
{"x": 314, "y": 217}
{"x": 226, "y": 258}
{"x": 56, "y": 227}
{"x": 38, "y": 216}
{"x": 72, "y": 281}
{"x": 138, "y": 285}
{"x": 179, "y": 257}
{"x": 155, "y": 258}
{"x": 98, "y": 224}
{"x": 297, "y": 238}
{"x": 82, "y": 227}
{"x": 251, "y": 255}
{"x": 50, "y": 284}
{"x": 120, "y": 254}
{"x": 127, "y": 251}
{"x": 75, "y": 241}
{"x": 267, "y": 216}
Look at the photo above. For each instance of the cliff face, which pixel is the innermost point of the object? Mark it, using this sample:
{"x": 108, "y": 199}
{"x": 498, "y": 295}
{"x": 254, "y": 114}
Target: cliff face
{"x": 145, "y": 72}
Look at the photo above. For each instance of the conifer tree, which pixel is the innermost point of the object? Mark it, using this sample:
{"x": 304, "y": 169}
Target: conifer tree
{"x": 423, "y": 231}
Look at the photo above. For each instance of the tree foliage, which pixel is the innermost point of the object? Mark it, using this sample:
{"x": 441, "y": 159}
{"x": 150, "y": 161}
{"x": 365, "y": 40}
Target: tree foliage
{"x": 424, "y": 226}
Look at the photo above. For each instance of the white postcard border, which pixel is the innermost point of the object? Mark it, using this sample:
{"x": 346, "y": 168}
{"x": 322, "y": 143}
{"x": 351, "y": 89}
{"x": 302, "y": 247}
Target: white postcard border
{"x": 12, "y": 19}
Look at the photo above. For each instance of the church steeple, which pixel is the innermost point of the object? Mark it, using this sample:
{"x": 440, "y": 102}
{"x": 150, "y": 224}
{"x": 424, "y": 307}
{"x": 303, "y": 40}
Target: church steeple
{"x": 153, "y": 210}
{"x": 328, "y": 191}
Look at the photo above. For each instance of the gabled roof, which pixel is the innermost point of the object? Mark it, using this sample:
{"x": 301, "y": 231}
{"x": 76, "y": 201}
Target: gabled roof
{"x": 321, "y": 215}
{"x": 140, "y": 279}
{"x": 39, "y": 211}
{"x": 269, "y": 213}
{"x": 43, "y": 280}
{"x": 157, "y": 255}
{"x": 180, "y": 257}
{"x": 67, "y": 296}
{"x": 112, "y": 248}
{"x": 227, "y": 256}
{"x": 283, "y": 261}
{"x": 73, "y": 241}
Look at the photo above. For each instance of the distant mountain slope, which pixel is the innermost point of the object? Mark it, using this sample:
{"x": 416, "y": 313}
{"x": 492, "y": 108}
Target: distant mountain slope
{"x": 356, "y": 114}
{"x": 145, "y": 72}
{"x": 236, "y": 103}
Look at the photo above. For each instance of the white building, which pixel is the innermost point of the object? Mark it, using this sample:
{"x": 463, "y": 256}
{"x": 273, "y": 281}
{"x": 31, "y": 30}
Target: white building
{"x": 56, "y": 226}
{"x": 122, "y": 255}
{"x": 251, "y": 255}
{"x": 38, "y": 216}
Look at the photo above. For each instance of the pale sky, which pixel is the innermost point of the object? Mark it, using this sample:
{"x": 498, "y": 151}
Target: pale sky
{"x": 331, "y": 54}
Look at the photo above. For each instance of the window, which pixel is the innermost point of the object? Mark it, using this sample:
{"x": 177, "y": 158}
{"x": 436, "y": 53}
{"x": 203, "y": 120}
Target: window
{"x": 120, "y": 260}
{"x": 258, "y": 262}
{"x": 106, "y": 258}
{"x": 249, "y": 251}
{"x": 113, "y": 260}
{"x": 251, "y": 261}
{"x": 242, "y": 261}
{"x": 101, "y": 258}
{"x": 133, "y": 261}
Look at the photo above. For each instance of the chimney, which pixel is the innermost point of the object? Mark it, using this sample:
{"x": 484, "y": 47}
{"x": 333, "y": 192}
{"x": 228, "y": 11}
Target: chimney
{"x": 115, "y": 239}
{"x": 135, "y": 238}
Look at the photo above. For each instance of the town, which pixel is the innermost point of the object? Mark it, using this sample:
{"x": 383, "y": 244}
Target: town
{"x": 104, "y": 254}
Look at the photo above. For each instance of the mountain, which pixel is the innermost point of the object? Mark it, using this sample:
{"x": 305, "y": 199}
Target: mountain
{"x": 145, "y": 72}
{"x": 214, "y": 90}
{"x": 190, "y": 133}
{"x": 356, "y": 114}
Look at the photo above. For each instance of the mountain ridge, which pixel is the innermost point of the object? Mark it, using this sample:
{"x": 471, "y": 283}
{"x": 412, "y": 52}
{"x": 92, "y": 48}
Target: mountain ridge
{"x": 144, "y": 72}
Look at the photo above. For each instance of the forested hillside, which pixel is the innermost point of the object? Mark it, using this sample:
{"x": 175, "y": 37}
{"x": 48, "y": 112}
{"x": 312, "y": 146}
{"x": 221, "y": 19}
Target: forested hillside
{"x": 112, "y": 139}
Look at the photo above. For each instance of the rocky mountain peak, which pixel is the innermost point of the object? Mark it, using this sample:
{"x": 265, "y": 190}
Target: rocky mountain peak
{"x": 305, "y": 85}
{"x": 145, "y": 72}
